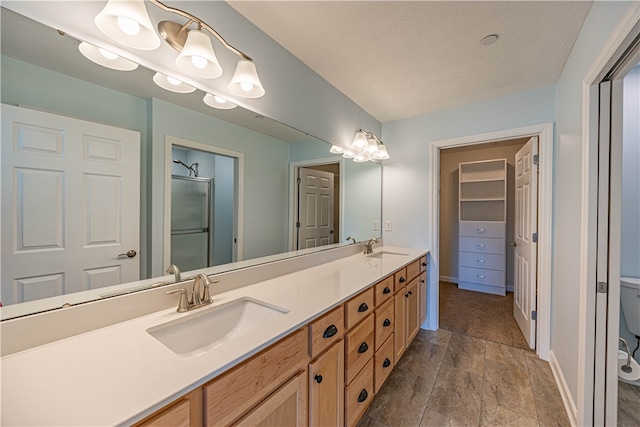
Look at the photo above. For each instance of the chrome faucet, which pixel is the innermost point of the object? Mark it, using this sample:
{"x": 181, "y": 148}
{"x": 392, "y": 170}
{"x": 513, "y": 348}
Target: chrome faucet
{"x": 368, "y": 247}
{"x": 173, "y": 269}
{"x": 351, "y": 238}
{"x": 198, "y": 298}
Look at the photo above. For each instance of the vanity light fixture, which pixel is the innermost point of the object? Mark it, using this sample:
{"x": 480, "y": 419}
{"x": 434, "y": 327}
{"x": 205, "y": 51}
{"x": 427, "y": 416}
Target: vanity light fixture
{"x": 127, "y": 22}
{"x": 172, "y": 84}
{"x": 105, "y": 58}
{"x": 218, "y": 102}
{"x": 366, "y": 146}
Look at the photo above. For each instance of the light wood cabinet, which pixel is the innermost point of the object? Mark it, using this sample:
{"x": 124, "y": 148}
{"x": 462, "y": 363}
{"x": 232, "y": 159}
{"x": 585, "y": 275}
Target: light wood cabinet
{"x": 384, "y": 361}
{"x": 358, "y": 308}
{"x": 326, "y": 388}
{"x": 384, "y": 317}
{"x": 325, "y": 331}
{"x": 384, "y": 290}
{"x": 358, "y": 348}
{"x": 422, "y": 297}
{"x": 286, "y": 407}
{"x": 412, "y": 312}
{"x": 184, "y": 412}
{"x": 359, "y": 394}
{"x": 400, "y": 319}
{"x": 400, "y": 279}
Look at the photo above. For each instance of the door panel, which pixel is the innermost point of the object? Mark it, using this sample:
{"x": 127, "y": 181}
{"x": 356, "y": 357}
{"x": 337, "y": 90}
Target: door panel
{"x": 315, "y": 210}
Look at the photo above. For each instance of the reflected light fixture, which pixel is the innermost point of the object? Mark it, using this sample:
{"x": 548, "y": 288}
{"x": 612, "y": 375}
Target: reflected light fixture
{"x": 218, "y": 102}
{"x": 172, "y": 84}
{"x": 366, "y": 146}
{"x": 106, "y": 58}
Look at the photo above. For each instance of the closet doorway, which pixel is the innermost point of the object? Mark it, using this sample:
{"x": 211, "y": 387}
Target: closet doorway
{"x": 445, "y": 256}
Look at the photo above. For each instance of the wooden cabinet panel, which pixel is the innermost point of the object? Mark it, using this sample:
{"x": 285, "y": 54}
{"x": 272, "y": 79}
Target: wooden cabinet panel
{"x": 412, "y": 313}
{"x": 422, "y": 297}
{"x": 326, "y": 388}
{"x": 237, "y": 390}
{"x": 384, "y": 290}
{"x": 384, "y": 362}
{"x": 186, "y": 411}
{"x": 423, "y": 264}
{"x": 359, "y": 348}
{"x": 413, "y": 270}
{"x": 400, "y": 278}
{"x": 384, "y": 318}
{"x": 359, "y": 395}
{"x": 359, "y": 307}
{"x": 286, "y": 407}
{"x": 325, "y": 331}
{"x": 399, "y": 317}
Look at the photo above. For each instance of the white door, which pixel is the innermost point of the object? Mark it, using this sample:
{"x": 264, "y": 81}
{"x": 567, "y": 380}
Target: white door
{"x": 315, "y": 208}
{"x": 526, "y": 189}
{"x": 70, "y": 205}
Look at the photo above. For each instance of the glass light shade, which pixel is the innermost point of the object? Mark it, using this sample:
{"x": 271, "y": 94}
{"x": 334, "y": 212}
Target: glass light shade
{"x": 172, "y": 84}
{"x": 106, "y": 58}
{"x": 360, "y": 141}
{"x": 360, "y": 158}
{"x": 245, "y": 81}
{"x": 382, "y": 153}
{"x": 348, "y": 154}
{"x": 127, "y": 22}
{"x": 372, "y": 146}
{"x": 197, "y": 57}
{"x": 219, "y": 102}
{"x": 336, "y": 150}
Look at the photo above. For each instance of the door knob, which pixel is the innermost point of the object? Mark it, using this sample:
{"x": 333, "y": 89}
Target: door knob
{"x": 514, "y": 244}
{"x": 130, "y": 254}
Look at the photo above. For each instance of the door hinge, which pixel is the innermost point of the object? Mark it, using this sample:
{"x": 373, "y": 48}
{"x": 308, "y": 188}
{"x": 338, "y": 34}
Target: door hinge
{"x": 534, "y": 238}
{"x": 534, "y": 315}
{"x": 298, "y": 224}
{"x": 603, "y": 288}
{"x": 536, "y": 159}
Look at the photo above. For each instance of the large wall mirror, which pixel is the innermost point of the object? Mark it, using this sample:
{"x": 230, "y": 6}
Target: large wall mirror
{"x": 249, "y": 193}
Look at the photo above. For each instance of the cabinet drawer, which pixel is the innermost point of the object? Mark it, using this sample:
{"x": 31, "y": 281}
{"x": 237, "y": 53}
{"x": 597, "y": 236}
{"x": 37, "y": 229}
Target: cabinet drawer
{"x": 482, "y": 229}
{"x": 383, "y": 362}
{"x": 481, "y": 276}
{"x": 413, "y": 269}
{"x": 480, "y": 260}
{"x": 383, "y": 290}
{"x": 384, "y": 322}
{"x": 482, "y": 244}
{"x": 236, "y": 391}
{"x": 359, "y": 348}
{"x": 325, "y": 331}
{"x": 400, "y": 278}
{"x": 423, "y": 264}
{"x": 359, "y": 307}
{"x": 359, "y": 395}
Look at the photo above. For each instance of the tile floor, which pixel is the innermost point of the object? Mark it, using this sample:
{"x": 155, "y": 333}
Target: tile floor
{"x": 628, "y": 405}
{"x": 451, "y": 378}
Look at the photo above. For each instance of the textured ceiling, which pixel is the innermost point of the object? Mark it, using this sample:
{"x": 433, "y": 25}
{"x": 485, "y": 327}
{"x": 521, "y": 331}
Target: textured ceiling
{"x": 400, "y": 59}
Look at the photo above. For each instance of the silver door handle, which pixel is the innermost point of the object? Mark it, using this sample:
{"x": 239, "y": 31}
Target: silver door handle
{"x": 513, "y": 244}
{"x": 130, "y": 254}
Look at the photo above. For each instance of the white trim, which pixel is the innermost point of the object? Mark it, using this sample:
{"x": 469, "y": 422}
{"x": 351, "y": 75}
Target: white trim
{"x": 587, "y": 301}
{"x": 449, "y": 279}
{"x": 170, "y": 141}
{"x": 565, "y": 393}
{"x": 293, "y": 194}
{"x": 545, "y": 214}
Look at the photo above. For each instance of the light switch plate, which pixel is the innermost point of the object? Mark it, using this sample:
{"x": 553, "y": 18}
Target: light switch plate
{"x": 387, "y": 225}
{"x": 376, "y": 225}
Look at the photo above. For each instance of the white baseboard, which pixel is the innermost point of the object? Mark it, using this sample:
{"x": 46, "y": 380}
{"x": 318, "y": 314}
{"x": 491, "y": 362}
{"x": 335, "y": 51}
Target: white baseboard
{"x": 449, "y": 279}
{"x": 569, "y": 404}
{"x": 509, "y": 288}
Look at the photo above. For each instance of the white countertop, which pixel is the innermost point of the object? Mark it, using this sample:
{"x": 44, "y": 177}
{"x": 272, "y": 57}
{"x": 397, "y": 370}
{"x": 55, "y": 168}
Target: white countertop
{"x": 120, "y": 374}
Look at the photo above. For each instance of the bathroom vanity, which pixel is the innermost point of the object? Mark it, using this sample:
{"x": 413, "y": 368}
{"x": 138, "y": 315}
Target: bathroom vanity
{"x": 312, "y": 346}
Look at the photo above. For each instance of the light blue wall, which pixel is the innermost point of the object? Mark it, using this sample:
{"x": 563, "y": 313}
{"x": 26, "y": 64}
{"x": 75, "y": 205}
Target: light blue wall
{"x": 601, "y": 21}
{"x": 266, "y": 172}
{"x": 37, "y": 87}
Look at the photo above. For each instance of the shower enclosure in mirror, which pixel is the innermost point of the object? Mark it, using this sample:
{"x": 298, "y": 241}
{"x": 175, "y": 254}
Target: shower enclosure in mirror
{"x": 43, "y": 70}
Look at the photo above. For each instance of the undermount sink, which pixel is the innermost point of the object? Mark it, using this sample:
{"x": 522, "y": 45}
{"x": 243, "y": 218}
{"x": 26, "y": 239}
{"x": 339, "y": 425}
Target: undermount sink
{"x": 207, "y": 328}
{"x": 386, "y": 254}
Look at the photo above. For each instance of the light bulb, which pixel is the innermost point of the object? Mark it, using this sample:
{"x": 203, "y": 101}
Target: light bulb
{"x": 173, "y": 80}
{"x": 107, "y": 54}
{"x": 246, "y": 86}
{"x": 219, "y": 99}
{"x": 128, "y": 25}
{"x": 199, "y": 62}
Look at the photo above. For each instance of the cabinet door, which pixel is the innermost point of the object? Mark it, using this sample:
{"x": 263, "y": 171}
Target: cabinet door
{"x": 422, "y": 297}
{"x": 285, "y": 407}
{"x": 412, "y": 313}
{"x": 399, "y": 317}
{"x": 185, "y": 412}
{"x": 326, "y": 388}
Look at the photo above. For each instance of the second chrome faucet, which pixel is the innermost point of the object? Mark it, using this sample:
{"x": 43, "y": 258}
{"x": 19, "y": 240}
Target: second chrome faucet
{"x": 199, "y": 297}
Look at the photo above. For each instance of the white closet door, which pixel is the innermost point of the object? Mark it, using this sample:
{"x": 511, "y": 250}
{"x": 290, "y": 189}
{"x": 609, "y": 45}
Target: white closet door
{"x": 70, "y": 205}
{"x": 315, "y": 214}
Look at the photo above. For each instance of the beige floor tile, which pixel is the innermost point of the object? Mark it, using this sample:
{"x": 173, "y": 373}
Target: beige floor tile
{"x": 508, "y": 387}
{"x": 465, "y": 353}
{"x": 457, "y": 395}
{"x": 436, "y": 419}
{"x": 498, "y": 416}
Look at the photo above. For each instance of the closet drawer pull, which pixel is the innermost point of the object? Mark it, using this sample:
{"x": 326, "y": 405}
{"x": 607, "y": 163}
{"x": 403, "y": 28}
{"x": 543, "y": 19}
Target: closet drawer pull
{"x": 480, "y": 261}
{"x": 481, "y": 230}
{"x": 480, "y": 276}
{"x": 480, "y": 246}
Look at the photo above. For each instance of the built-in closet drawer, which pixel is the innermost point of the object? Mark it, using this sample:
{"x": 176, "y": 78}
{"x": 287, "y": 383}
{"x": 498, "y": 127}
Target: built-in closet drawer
{"x": 384, "y": 290}
{"x": 325, "y": 331}
{"x": 359, "y": 307}
{"x": 482, "y": 244}
{"x": 384, "y": 322}
{"x": 359, "y": 348}
{"x": 481, "y": 260}
{"x": 383, "y": 362}
{"x": 481, "y": 276}
{"x": 482, "y": 229}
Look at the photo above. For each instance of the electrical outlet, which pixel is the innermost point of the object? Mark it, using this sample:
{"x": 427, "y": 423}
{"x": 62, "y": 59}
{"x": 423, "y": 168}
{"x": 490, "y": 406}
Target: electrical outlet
{"x": 387, "y": 225}
{"x": 376, "y": 225}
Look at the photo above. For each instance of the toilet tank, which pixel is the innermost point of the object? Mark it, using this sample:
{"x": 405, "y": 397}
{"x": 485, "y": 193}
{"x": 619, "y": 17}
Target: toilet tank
{"x": 630, "y": 297}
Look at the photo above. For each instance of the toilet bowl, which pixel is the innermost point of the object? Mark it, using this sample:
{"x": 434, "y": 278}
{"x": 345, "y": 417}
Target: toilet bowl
{"x": 630, "y": 297}
{"x": 632, "y": 377}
